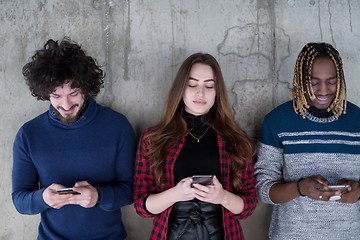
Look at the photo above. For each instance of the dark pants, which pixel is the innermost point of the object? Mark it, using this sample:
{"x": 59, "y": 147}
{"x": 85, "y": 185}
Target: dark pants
{"x": 195, "y": 220}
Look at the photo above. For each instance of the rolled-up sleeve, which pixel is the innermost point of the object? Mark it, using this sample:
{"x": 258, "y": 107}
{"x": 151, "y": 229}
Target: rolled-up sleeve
{"x": 144, "y": 182}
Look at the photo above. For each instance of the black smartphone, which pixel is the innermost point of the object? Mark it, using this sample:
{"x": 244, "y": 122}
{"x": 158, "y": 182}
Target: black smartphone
{"x": 66, "y": 191}
{"x": 202, "y": 179}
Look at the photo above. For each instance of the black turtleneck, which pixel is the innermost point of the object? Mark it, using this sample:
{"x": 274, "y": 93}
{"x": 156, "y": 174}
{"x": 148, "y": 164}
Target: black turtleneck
{"x": 320, "y": 113}
{"x": 198, "y": 158}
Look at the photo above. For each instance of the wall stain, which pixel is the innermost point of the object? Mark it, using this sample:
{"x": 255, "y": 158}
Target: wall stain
{"x": 271, "y": 46}
{"x": 106, "y": 8}
{"x": 127, "y": 43}
{"x": 319, "y": 21}
{"x": 350, "y": 23}
{"x": 256, "y": 40}
{"x": 330, "y": 24}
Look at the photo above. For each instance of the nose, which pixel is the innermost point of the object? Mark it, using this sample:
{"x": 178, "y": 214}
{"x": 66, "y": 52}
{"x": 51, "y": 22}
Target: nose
{"x": 201, "y": 91}
{"x": 67, "y": 104}
{"x": 324, "y": 88}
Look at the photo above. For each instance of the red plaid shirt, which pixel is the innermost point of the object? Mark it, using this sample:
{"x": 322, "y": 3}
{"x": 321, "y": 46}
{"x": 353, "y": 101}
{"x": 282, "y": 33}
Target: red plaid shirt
{"x": 145, "y": 185}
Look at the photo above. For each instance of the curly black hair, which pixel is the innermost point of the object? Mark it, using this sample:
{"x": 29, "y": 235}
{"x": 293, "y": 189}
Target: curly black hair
{"x": 57, "y": 64}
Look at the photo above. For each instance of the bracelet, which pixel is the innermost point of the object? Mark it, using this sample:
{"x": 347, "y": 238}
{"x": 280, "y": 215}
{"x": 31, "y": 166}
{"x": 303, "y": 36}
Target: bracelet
{"x": 298, "y": 187}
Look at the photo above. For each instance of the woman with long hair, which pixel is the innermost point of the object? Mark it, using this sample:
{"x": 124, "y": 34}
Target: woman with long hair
{"x": 197, "y": 135}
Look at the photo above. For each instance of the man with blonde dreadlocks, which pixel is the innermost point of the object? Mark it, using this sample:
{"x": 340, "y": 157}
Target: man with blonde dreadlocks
{"x": 307, "y": 145}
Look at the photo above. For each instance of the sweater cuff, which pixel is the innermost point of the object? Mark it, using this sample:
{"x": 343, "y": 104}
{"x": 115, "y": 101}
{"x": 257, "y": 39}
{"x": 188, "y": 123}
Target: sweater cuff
{"x": 99, "y": 197}
{"x": 106, "y": 197}
{"x": 38, "y": 197}
{"x": 264, "y": 192}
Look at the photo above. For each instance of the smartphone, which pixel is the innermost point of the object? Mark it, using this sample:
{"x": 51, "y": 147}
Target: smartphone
{"x": 202, "y": 179}
{"x": 338, "y": 187}
{"x": 66, "y": 191}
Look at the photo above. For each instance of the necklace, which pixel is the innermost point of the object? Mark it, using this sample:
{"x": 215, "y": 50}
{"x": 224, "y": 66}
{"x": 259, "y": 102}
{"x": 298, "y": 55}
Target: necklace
{"x": 198, "y": 138}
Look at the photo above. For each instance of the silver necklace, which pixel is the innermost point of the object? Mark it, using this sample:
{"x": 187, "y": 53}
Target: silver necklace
{"x": 198, "y": 138}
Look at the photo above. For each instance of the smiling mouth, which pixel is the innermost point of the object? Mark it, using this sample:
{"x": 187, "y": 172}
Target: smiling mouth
{"x": 322, "y": 98}
{"x": 70, "y": 111}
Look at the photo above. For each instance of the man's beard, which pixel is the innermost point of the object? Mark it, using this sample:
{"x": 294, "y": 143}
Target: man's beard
{"x": 70, "y": 120}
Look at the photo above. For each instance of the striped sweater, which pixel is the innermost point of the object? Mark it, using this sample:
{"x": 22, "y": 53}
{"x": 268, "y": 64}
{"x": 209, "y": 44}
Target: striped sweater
{"x": 291, "y": 147}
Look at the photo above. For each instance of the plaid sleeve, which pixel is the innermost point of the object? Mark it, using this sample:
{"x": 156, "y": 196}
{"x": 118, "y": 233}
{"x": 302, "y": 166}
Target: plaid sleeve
{"x": 231, "y": 223}
{"x": 145, "y": 185}
{"x": 248, "y": 192}
{"x": 144, "y": 182}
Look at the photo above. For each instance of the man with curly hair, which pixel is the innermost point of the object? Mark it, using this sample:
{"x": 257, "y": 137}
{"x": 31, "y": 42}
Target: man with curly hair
{"x": 74, "y": 163}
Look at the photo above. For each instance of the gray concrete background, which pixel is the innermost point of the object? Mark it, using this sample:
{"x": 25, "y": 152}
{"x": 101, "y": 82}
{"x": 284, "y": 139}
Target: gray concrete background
{"x": 141, "y": 44}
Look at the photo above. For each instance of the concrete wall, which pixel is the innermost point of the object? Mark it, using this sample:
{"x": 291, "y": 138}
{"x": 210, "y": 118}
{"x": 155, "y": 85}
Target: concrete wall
{"x": 141, "y": 44}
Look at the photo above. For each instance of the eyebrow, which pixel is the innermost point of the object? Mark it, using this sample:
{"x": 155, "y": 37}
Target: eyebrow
{"x": 316, "y": 78}
{"x": 207, "y": 80}
{"x": 75, "y": 90}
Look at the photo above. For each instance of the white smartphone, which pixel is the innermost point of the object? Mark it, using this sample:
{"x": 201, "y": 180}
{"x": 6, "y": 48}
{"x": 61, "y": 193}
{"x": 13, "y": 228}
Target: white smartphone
{"x": 338, "y": 187}
{"x": 66, "y": 191}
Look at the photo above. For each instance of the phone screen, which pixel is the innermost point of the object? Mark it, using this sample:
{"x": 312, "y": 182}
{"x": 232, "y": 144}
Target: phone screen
{"x": 202, "y": 179}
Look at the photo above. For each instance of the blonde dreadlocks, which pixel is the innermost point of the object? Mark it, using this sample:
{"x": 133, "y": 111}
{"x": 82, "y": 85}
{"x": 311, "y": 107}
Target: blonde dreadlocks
{"x": 302, "y": 78}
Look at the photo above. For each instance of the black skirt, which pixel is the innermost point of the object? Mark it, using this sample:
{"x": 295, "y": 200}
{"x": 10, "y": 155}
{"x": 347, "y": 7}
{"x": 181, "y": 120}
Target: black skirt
{"x": 195, "y": 220}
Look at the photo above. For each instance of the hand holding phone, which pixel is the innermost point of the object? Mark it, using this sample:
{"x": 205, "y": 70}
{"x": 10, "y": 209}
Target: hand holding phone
{"x": 335, "y": 188}
{"x": 205, "y": 180}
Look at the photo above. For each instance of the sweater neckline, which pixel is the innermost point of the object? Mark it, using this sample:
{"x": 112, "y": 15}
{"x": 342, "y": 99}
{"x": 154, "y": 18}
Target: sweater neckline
{"x": 196, "y": 123}
{"x": 320, "y": 119}
{"x": 83, "y": 120}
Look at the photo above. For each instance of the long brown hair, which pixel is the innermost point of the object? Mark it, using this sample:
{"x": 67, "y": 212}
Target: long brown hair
{"x": 302, "y": 78}
{"x": 172, "y": 126}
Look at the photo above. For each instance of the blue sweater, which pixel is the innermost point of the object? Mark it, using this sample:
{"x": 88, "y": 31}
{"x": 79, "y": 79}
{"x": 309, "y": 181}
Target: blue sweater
{"x": 99, "y": 148}
{"x": 291, "y": 147}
